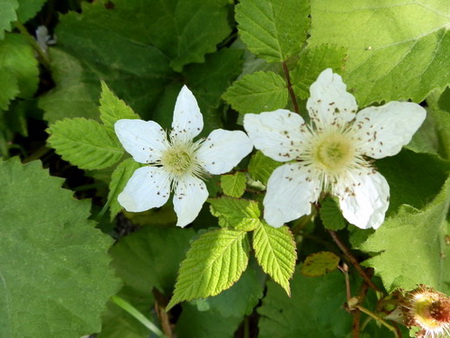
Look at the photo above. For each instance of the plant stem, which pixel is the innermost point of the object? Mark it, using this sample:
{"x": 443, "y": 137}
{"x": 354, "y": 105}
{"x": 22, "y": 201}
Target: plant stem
{"x": 290, "y": 90}
{"x": 352, "y": 259}
{"x": 42, "y": 56}
{"x": 378, "y": 318}
{"x": 160, "y": 304}
{"x": 136, "y": 314}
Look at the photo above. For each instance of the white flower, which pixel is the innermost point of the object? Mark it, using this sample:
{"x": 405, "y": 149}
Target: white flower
{"x": 331, "y": 153}
{"x": 177, "y": 163}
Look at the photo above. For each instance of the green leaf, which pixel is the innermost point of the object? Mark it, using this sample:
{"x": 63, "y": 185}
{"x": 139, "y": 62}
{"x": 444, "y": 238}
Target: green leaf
{"x": 214, "y": 263}
{"x": 112, "y": 108}
{"x": 261, "y": 167}
{"x": 205, "y": 324}
{"x": 235, "y": 213}
{"x": 275, "y": 251}
{"x": 412, "y": 242}
{"x": 403, "y": 52}
{"x": 331, "y": 215}
{"x": 319, "y": 263}
{"x": 315, "y": 308}
{"x": 312, "y": 62}
{"x": 10, "y": 88}
{"x": 28, "y": 9}
{"x": 273, "y": 29}
{"x": 233, "y": 185}
{"x": 257, "y": 92}
{"x": 17, "y": 57}
{"x": 119, "y": 179}
{"x": 85, "y": 143}
{"x": 52, "y": 259}
{"x": 7, "y": 15}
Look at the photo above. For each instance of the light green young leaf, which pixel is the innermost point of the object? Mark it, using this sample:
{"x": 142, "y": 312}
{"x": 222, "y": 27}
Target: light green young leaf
{"x": 85, "y": 143}
{"x": 412, "y": 242}
{"x": 235, "y": 213}
{"x": 10, "y": 88}
{"x": 17, "y": 57}
{"x": 319, "y": 263}
{"x": 233, "y": 185}
{"x": 273, "y": 29}
{"x": 261, "y": 167}
{"x": 214, "y": 263}
{"x": 257, "y": 92}
{"x": 312, "y": 62}
{"x": 404, "y": 46}
{"x": 119, "y": 179}
{"x": 331, "y": 215}
{"x": 112, "y": 108}
{"x": 276, "y": 252}
{"x": 7, "y": 15}
{"x": 52, "y": 259}
{"x": 28, "y": 9}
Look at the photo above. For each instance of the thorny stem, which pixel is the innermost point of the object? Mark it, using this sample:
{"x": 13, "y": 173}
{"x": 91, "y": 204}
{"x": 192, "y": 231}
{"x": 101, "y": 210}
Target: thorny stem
{"x": 352, "y": 259}
{"x": 291, "y": 91}
{"x": 42, "y": 56}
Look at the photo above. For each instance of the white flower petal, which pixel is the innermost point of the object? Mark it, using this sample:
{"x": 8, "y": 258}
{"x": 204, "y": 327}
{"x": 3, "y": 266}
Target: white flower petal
{"x": 187, "y": 118}
{"x": 330, "y": 103}
{"x": 223, "y": 150}
{"x": 144, "y": 140}
{"x": 290, "y": 191}
{"x": 363, "y": 199}
{"x": 280, "y": 134}
{"x": 384, "y": 130}
{"x": 190, "y": 195}
{"x": 149, "y": 187}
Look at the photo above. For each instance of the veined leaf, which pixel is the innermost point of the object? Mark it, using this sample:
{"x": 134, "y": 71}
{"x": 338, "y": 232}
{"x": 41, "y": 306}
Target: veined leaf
{"x": 28, "y": 9}
{"x": 214, "y": 262}
{"x": 119, "y": 179}
{"x": 235, "y": 213}
{"x": 85, "y": 143}
{"x": 53, "y": 262}
{"x": 7, "y": 15}
{"x": 10, "y": 88}
{"x": 261, "y": 167}
{"x": 233, "y": 185}
{"x": 112, "y": 108}
{"x": 257, "y": 92}
{"x": 276, "y": 252}
{"x": 319, "y": 263}
{"x": 273, "y": 29}
{"x": 331, "y": 215}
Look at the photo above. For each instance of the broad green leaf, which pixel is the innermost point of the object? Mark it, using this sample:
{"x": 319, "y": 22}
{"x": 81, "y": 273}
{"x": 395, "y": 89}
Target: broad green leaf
{"x": 10, "y": 88}
{"x": 413, "y": 187}
{"x": 17, "y": 57}
{"x": 85, "y": 143}
{"x": 214, "y": 263}
{"x": 205, "y": 324}
{"x": 273, "y": 29}
{"x": 52, "y": 259}
{"x": 160, "y": 216}
{"x": 233, "y": 185}
{"x": 276, "y": 252}
{"x": 261, "y": 167}
{"x": 241, "y": 298}
{"x": 396, "y": 49}
{"x": 312, "y": 62}
{"x": 412, "y": 242}
{"x": 331, "y": 215}
{"x": 236, "y": 213}
{"x": 28, "y": 9}
{"x": 315, "y": 308}
{"x": 257, "y": 92}
{"x": 7, "y": 15}
{"x": 319, "y": 263}
{"x": 119, "y": 179}
{"x": 112, "y": 108}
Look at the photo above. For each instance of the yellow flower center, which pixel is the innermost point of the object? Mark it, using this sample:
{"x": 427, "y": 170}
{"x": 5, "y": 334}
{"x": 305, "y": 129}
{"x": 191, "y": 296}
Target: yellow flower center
{"x": 333, "y": 152}
{"x": 179, "y": 160}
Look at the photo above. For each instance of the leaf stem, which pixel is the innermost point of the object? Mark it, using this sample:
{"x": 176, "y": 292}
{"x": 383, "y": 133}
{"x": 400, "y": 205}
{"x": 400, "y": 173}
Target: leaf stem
{"x": 378, "y": 318}
{"x": 42, "y": 56}
{"x": 290, "y": 90}
{"x": 136, "y": 314}
{"x": 160, "y": 304}
{"x": 352, "y": 259}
